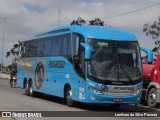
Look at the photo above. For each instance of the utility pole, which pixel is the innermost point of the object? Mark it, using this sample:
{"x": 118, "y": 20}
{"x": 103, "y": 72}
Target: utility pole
{"x": 59, "y": 13}
{"x": 4, "y": 27}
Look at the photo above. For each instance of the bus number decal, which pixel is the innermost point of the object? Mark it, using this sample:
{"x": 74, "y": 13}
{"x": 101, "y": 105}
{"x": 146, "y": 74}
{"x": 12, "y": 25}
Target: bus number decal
{"x": 57, "y": 64}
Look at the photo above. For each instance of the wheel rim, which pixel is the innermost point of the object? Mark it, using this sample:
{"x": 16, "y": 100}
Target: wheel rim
{"x": 152, "y": 97}
{"x": 69, "y": 95}
{"x": 26, "y": 86}
{"x": 30, "y": 90}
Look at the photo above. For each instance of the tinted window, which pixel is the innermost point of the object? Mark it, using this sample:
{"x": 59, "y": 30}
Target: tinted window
{"x": 47, "y": 44}
{"x": 56, "y": 46}
{"x": 69, "y": 46}
{"x": 26, "y": 49}
{"x": 66, "y": 44}
{"x": 75, "y": 44}
{"x": 39, "y": 48}
{"x": 32, "y": 48}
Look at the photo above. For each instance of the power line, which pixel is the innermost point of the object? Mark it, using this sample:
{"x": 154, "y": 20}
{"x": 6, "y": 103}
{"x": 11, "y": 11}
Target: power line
{"x": 131, "y": 11}
{"x": 53, "y": 25}
{"x": 125, "y": 12}
{"x": 115, "y": 15}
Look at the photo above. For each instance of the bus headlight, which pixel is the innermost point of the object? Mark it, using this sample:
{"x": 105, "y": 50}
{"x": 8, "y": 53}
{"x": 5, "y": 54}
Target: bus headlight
{"x": 137, "y": 91}
{"x": 94, "y": 90}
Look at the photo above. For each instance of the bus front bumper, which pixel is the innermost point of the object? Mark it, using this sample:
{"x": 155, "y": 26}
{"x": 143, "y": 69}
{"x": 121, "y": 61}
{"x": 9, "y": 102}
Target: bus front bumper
{"x": 103, "y": 99}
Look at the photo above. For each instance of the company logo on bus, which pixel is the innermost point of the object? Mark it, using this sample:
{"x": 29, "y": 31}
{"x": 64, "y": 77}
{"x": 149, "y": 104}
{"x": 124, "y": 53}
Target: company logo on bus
{"x": 39, "y": 75}
{"x": 123, "y": 88}
{"x": 57, "y": 64}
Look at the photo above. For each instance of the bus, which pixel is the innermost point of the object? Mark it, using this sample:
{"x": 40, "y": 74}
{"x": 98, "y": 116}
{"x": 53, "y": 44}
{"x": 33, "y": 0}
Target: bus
{"x": 89, "y": 64}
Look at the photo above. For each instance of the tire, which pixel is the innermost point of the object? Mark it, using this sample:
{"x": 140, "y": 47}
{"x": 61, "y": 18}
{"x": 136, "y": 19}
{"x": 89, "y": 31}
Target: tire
{"x": 68, "y": 97}
{"x": 152, "y": 98}
{"x": 31, "y": 92}
{"x": 26, "y": 89}
{"x": 115, "y": 106}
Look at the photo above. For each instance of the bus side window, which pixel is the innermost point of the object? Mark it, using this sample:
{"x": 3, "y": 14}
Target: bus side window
{"x": 31, "y": 48}
{"x": 47, "y": 47}
{"x": 78, "y": 52}
{"x": 56, "y": 46}
{"x": 25, "y": 47}
{"x": 66, "y": 47}
{"x": 75, "y": 44}
{"x": 39, "y": 48}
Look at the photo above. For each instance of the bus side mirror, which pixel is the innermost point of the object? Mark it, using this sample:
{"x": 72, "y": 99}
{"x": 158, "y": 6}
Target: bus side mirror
{"x": 87, "y": 51}
{"x": 149, "y": 54}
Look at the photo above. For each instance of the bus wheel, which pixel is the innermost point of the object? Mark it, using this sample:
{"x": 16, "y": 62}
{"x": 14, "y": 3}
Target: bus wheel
{"x": 26, "y": 89}
{"x": 31, "y": 92}
{"x": 152, "y": 98}
{"x": 115, "y": 106}
{"x": 68, "y": 97}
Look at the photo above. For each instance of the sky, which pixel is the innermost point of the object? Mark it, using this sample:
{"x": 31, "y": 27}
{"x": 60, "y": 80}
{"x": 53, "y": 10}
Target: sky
{"x": 34, "y": 16}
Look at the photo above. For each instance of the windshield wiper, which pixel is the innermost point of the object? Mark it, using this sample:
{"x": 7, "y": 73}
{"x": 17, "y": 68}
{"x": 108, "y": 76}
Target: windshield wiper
{"x": 128, "y": 76}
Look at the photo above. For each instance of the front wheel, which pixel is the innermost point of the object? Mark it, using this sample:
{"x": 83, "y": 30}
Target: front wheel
{"x": 152, "y": 98}
{"x": 68, "y": 97}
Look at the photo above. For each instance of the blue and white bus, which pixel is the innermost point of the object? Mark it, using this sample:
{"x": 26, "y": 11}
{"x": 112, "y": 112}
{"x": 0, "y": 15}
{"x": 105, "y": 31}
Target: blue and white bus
{"x": 90, "y": 64}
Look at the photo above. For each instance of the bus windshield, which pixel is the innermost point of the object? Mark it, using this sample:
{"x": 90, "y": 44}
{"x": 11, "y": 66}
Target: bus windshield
{"x": 114, "y": 61}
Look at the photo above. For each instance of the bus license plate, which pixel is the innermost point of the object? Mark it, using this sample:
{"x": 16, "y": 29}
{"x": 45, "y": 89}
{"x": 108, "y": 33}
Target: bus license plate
{"x": 117, "y": 100}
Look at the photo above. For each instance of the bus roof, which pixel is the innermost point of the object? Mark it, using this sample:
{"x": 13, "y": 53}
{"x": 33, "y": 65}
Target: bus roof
{"x": 97, "y": 32}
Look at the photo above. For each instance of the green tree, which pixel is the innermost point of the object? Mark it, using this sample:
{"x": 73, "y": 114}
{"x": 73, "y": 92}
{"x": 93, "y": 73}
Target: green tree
{"x": 14, "y": 52}
{"x": 79, "y": 21}
{"x": 10, "y": 67}
{"x": 153, "y": 30}
{"x": 96, "y": 21}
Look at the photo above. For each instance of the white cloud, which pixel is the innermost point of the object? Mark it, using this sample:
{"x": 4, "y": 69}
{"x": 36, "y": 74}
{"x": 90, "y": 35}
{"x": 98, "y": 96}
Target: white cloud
{"x": 37, "y": 15}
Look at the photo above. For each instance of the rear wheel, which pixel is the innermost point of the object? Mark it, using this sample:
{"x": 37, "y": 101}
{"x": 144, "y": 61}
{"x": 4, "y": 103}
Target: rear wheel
{"x": 31, "y": 92}
{"x": 152, "y": 98}
{"x": 68, "y": 97}
{"x": 26, "y": 89}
